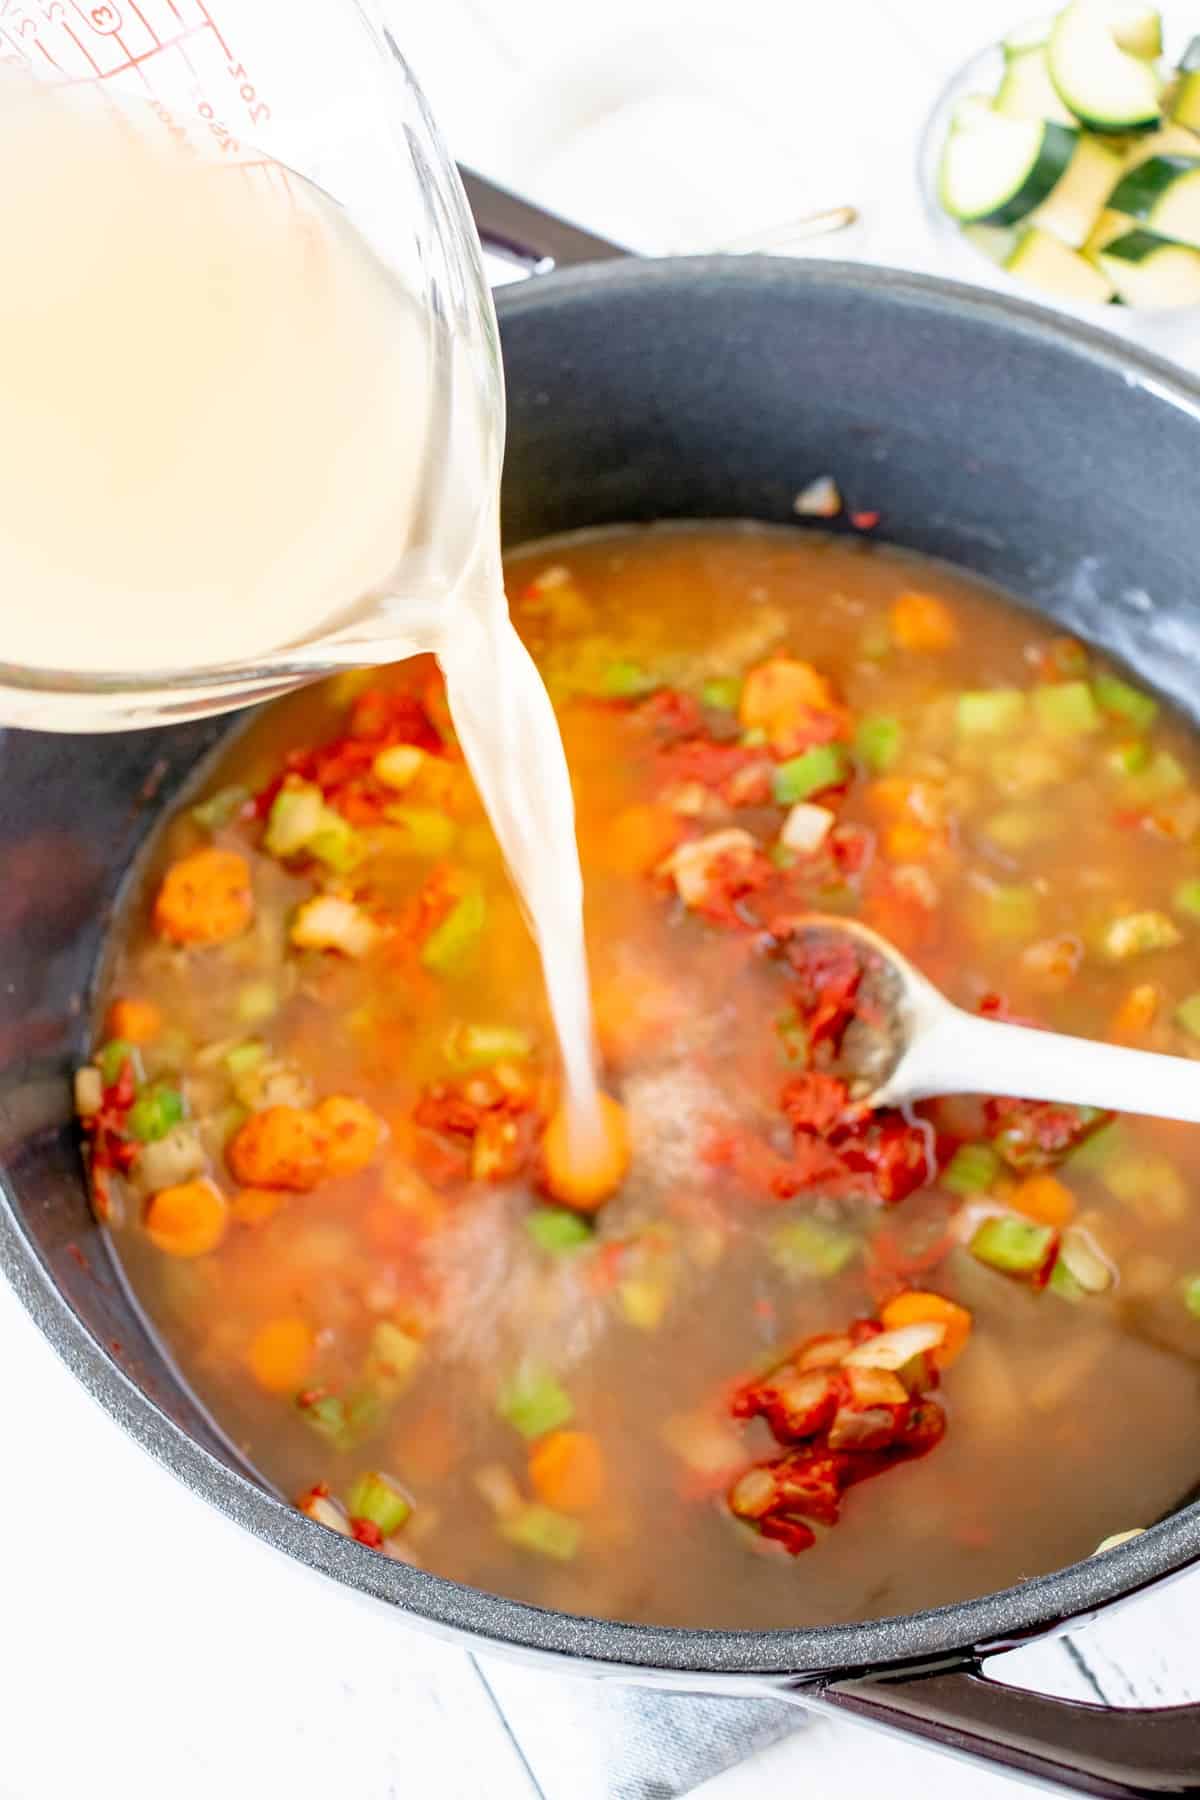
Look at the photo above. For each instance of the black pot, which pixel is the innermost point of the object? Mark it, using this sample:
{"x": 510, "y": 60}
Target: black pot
{"x": 1045, "y": 457}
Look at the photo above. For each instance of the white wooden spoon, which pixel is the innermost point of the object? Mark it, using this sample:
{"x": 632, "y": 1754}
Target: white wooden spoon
{"x": 940, "y": 1049}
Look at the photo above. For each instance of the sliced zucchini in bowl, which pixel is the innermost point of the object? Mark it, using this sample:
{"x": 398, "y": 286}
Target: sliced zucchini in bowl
{"x": 1147, "y": 270}
{"x": 1105, "y": 84}
{"x": 1164, "y": 193}
{"x": 1026, "y": 90}
{"x": 997, "y": 170}
{"x": 1138, "y": 29}
{"x": 1076, "y": 202}
{"x": 1185, "y": 105}
{"x": 1045, "y": 262}
{"x": 1108, "y": 226}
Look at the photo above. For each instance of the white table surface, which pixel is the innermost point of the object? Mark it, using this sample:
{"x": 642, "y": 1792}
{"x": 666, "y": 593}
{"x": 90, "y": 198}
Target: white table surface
{"x": 149, "y": 1647}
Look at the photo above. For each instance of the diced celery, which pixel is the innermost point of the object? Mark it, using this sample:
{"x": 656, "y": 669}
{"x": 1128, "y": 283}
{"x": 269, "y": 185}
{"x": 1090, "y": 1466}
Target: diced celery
{"x": 624, "y": 680}
{"x": 541, "y": 1529}
{"x": 1131, "y": 758}
{"x": 1010, "y": 911}
{"x": 555, "y": 1229}
{"x": 154, "y": 1112}
{"x": 1013, "y": 1245}
{"x": 1135, "y": 934}
{"x": 341, "y": 1421}
{"x": 533, "y": 1402}
{"x": 1066, "y": 707}
{"x": 724, "y": 692}
{"x": 1186, "y": 898}
{"x": 1100, "y": 1148}
{"x": 823, "y": 766}
{"x": 297, "y": 812}
{"x": 449, "y": 945}
{"x": 1125, "y": 702}
{"x": 392, "y": 1358}
{"x": 111, "y": 1058}
{"x": 1187, "y": 1015}
{"x": 971, "y": 1170}
{"x": 336, "y": 843}
{"x": 427, "y": 832}
{"x": 257, "y": 1001}
{"x": 643, "y": 1300}
{"x": 1163, "y": 775}
{"x": 1190, "y": 1290}
{"x": 376, "y": 1497}
{"x": 878, "y": 742}
{"x": 990, "y": 711}
{"x": 243, "y": 1059}
{"x": 220, "y": 808}
{"x": 476, "y": 1046}
{"x": 810, "y": 1246}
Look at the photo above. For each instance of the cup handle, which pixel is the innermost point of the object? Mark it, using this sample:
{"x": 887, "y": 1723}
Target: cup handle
{"x": 1117, "y": 1752}
{"x": 523, "y": 233}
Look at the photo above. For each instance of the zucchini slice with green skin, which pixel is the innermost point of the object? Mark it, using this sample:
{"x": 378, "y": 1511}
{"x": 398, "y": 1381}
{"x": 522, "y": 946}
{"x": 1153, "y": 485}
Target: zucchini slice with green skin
{"x": 1164, "y": 193}
{"x": 1045, "y": 262}
{"x": 1026, "y": 90}
{"x": 1185, "y": 107}
{"x": 1108, "y": 226}
{"x": 1147, "y": 270}
{"x": 996, "y": 170}
{"x": 1104, "y": 85}
{"x": 1077, "y": 201}
{"x": 1138, "y": 29}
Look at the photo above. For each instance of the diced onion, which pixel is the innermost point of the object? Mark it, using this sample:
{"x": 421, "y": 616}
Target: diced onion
{"x": 892, "y": 1349}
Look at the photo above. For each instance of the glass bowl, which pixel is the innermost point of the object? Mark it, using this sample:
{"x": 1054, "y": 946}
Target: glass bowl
{"x": 1172, "y": 331}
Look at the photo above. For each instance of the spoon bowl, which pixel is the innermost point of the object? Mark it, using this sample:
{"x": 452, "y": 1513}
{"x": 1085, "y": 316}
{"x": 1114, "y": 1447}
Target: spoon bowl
{"x": 924, "y": 1046}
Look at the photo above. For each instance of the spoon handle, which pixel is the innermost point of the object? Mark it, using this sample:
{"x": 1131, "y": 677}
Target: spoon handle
{"x": 965, "y": 1055}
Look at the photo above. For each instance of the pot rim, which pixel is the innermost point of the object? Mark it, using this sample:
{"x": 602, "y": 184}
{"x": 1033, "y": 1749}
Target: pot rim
{"x": 701, "y": 1656}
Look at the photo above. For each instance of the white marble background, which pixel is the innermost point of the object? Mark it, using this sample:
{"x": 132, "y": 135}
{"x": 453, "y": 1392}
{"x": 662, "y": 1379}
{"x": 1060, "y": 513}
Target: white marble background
{"x": 147, "y": 1646}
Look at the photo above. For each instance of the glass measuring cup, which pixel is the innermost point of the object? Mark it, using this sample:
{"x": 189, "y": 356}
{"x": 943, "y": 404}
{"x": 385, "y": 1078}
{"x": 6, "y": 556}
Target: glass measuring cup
{"x": 266, "y": 92}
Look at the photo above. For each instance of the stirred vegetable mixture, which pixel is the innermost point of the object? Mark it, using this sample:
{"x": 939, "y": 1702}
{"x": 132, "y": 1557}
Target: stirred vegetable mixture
{"x": 323, "y": 1122}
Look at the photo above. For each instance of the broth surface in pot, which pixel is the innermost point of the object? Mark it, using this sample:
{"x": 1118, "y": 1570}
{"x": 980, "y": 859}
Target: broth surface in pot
{"x": 324, "y": 1068}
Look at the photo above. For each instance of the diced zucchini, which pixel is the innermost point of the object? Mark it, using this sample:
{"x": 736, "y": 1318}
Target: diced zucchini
{"x": 377, "y": 1498}
{"x": 155, "y": 1111}
{"x": 1108, "y": 226}
{"x": 1164, "y": 193}
{"x": 111, "y": 1058}
{"x": 296, "y": 815}
{"x": 1027, "y": 92}
{"x": 1131, "y": 758}
{"x": 1078, "y": 199}
{"x": 450, "y": 945}
{"x": 1046, "y": 263}
{"x": 1116, "y": 696}
{"x": 336, "y": 843}
{"x": 425, "y": 831}
{"x": 1137, "y": 29}
{"x": 1066, "y": 707}
{"x": 997, "y": 169}
{"x": 555, "y": 1229}
{"x": 1134, "y": 934}
{"x": 1185, "y": 107}
{"x": 624, "y": 680}
{"x": 971, "y": 1170}
{"x": 1147, "y": 270}
{"x": 1106, "y": 84}
{"x": 990, "y": 711}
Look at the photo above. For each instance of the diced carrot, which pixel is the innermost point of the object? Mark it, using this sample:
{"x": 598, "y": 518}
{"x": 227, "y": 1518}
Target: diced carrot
{"x": 566, "y": 1471}
{"x": 188, "y": 1220}
{"x": 205, "y": 898}
{"x": 137, "y": 1021}
{"x": 908, "y": 841}
{"x": 280, "y": 1354}
{"x": 922, "y": 622}
{"x": 1044, "y": 1198}
{"x": 918, "y": 1307}
{"x": 585, "y": 1176}
{"x": 638, "y": 838}
{"x": 280, "y": 1147}
{"x": 254, "y": 1206}
{"x": 781, "y": 694}
{"x": 353, "y": 1131}
{"x": 1136, "y": 1014}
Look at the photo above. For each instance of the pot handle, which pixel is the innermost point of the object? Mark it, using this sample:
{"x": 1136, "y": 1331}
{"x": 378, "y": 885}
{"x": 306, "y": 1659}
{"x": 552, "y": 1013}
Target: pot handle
{"x": 522, "y": 233}
{"x": 1117, "y": 1752}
